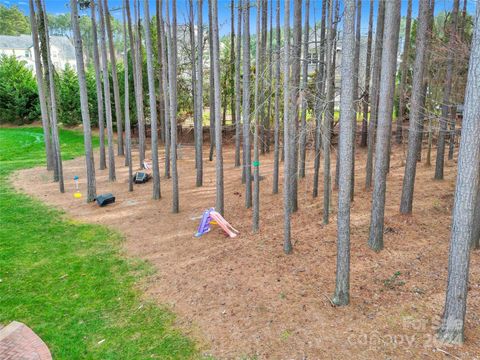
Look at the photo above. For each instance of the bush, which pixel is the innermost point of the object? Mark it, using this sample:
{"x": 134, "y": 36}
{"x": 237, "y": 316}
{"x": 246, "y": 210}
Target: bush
{"x": 68, "y": 97}
{"x": 18, "y": 92}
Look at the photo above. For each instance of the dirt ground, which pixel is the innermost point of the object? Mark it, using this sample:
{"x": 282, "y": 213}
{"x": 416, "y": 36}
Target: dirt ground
{"x": 244, "y": 298}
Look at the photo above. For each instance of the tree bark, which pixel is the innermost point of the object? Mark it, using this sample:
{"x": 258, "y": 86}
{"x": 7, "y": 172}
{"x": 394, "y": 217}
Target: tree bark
{"x": 347, "y": 122}
{"x": 199, "y": 124}
{"x": 106, "y": 91}
{"x": 303, "y": 95}
{"x": 82, "y": 82}
{"x": 276, "y": 130}
{"x": 153, "y": 103}
{"x": 238, "y": 95}
{"x": 466, "y": 189}
{"x": 246, "y": 104}
{"x": 320, "y": 101}
{"x": 219, "y": 202}
{"x": 41, "y": 91}
{"x": 385, "y": 110}
{"x": 98, "y": 86}
{"x": 447, "y": 89}
{"x": 212, "y": 90}
{"x": 161, "y": 94}
{"x": 53, "y": 104}
{"x": 404, "y": 72}
{"x": 416, "y": 108}
{"x": 172, "y": 65}
{"x": 376, "y": 73}
{"x": 128, "y": 136}
{"x": 191, "y": 28}
{"x": 116, "y": 90}
{"x": 288, "y": 125}
{"x": 366, "y": 93}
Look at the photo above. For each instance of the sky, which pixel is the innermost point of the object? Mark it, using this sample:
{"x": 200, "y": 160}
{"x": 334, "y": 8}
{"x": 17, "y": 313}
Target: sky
{"x": 62, "y": 6}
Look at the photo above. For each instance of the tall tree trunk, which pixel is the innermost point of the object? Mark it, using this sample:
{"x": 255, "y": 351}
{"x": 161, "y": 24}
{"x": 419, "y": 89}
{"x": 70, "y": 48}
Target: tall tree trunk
{"x": 172, "y": 65}
{"x": 238, "y": 95}
{"x": 416, "y": 108}
{"x": 266, "y": 143}
{"x": 303, "y": 95}
{"x": 294, "y": 95}
{"x": 263, "y": 121}
{"x": 191, "y": 28}
{"x": 41, "y": 91}
{"x": 165, "y": 85}
{"x": 153, "y": 103}
{"x": 106, "y": 91}
{"x": 347, "y": 121}
{"x": 116, "y": 90}
{"x": 219, "y": 203}
{"x": 276, "y": 134}
{"x": 139, "y": 98}
{"x": 232, "y": 61}
{"x": 82, "y": 82}
{"x": 356, "y": 87}
{"x": 128, "y": 136}
{"x": 366, "y": 93}
{"x": 212, "y": 91}
{"x": 98, "y": 87}
{"x": 246, "y": 104}
{"x": 161, "y": 95}
{"x": 53, "y": 103}
{"x": 199, "y": 124}
{"x": 384, "y": 130}
{"x": 376, "y": 73}
{"x": 447, "y": 89}
{"x": 258, "y": 110}
{"x": 466, "y": 189}
{"x": 404, "y": 72}
{"x": 328, "y": 116}
{"x": 320, "y": 100}
{"x": 288, "y": 124}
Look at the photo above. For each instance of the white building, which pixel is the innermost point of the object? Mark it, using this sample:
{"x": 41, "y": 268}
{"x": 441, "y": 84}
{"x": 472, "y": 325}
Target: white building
{"x": 62, "y": 50}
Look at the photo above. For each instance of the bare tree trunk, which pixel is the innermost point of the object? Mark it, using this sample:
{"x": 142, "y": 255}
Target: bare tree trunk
{"x": 106, "y": 90}
{"x": 246, "y": 104}
{"x": 258, "y": 109}
{"x": 328, "y": 116}
{"x": 53, "y": 103}
{"x": 347, "y": 121}
{"x": 212, "y": 90}
{"x": 295, "y": 94}
{"x": 219, "y": 203}
{"x": 466, "y": 189}
{"x": 139, "y": 98}
{"x": 98, "y": 84}
{"x": 288, "y": 125}
{"x": 153, "y": 103}
{"x": 276, "y": 134}
{"x": 165, "y": 84}
{"x": 161, "y": 94}
{"x": 376, "y": 73}
{"x": 452, "y": 132}
{"x": 232, "y": 62}
{"x": 191, "y": 26}
{"x": 82, "y": 82}
{"x": 238, "y": 95}
{"x": 263, "y": 121}
{"x": 172, "y": 65}
{"x": 41, "y": 90}
{"x": 404, "y": 72}
{"x": 199, "y": 138}
{"x": 366, "y": 93}
{"x": 303, "y": 95}
{"x": 446, "y": 95}
{"x": 384, "y": 130}
{"x": 416, "y": 108}
{"x": 128, "y": 137}
{"x": 116, "y": 90}
{"x": 266, "y": 143}
{"x": 320, "y": 101}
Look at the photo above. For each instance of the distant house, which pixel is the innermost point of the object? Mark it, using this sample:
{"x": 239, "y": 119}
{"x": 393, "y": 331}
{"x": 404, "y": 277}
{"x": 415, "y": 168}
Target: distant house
{"x": 62, "y": 50}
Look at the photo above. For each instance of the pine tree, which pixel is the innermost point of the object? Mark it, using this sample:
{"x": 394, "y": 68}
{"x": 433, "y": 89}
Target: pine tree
{"x": 276, "y": 134}
{"x": 199, "y": 124}
{"x": 128, "y": 136}
{"x": 366, "y": 92}
{"x": 246, "y": 104}
{"x": 238, "y": 94}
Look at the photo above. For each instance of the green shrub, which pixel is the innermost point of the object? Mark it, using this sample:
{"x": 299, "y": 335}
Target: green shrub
{"x": 18, "y": 92}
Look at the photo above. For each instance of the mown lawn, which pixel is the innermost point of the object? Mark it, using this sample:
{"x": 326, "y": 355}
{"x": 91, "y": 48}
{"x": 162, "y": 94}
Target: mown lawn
{"x": 69, "y": 281}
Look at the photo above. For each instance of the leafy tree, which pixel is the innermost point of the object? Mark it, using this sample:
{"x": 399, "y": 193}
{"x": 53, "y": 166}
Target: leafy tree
{"x": 13, "y": 21}
{"x": 18, "y": 92}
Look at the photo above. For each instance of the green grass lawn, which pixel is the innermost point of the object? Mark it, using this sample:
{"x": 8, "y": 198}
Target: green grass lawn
{"x": 67, "y": 280}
